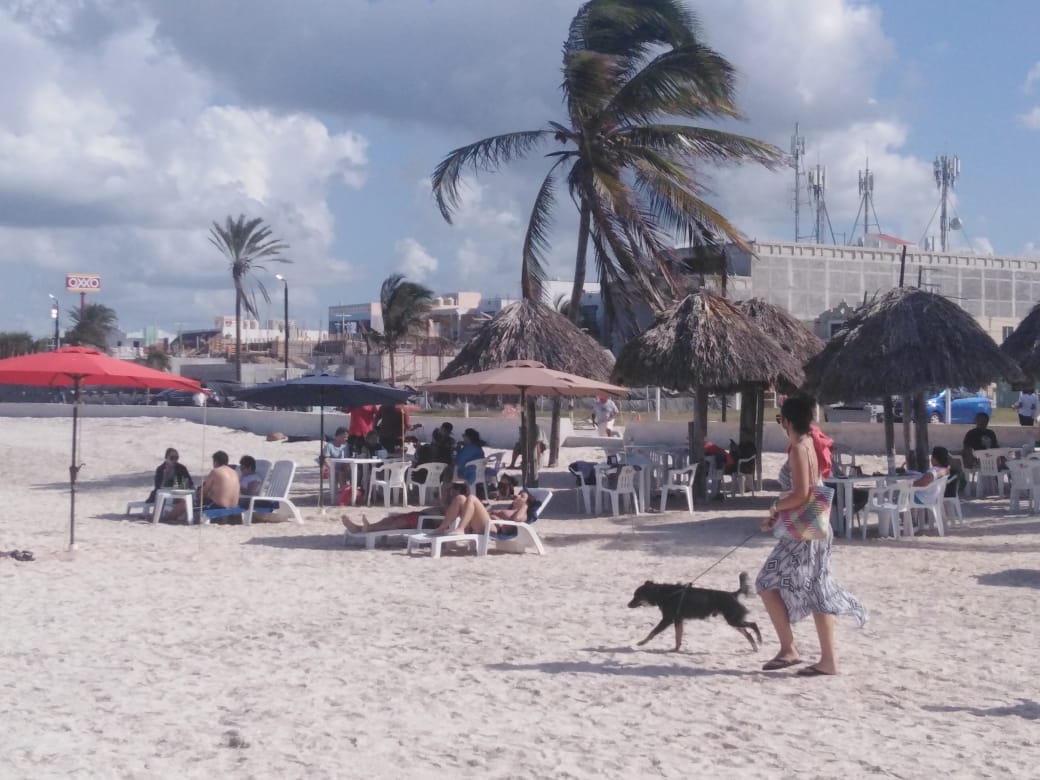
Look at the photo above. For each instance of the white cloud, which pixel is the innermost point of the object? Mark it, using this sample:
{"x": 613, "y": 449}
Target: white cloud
{"x": 1032, "y": 77}
{"x": 414, "y": 261}
{"x": 1032, "y": 118}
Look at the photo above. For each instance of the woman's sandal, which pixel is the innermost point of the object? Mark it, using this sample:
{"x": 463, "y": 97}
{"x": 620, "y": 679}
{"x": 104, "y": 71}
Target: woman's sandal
{"x": 780, "y": 663}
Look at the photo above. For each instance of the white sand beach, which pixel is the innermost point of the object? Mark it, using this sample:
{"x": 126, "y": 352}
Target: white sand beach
{"x": 272, "y": 651}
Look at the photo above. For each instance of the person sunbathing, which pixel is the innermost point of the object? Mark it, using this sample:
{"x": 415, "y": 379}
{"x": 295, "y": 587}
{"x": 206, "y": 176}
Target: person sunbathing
{"x": 470, "y": 513}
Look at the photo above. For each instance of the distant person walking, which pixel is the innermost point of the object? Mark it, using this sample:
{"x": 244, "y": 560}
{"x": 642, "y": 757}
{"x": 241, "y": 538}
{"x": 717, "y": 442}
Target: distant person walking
{"x": 1026, "y": 405}
{"x": 604, "y": 412}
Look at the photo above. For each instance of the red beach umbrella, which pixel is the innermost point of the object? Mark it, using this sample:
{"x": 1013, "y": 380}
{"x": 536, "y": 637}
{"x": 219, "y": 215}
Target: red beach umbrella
{"x": 78, "y": 366}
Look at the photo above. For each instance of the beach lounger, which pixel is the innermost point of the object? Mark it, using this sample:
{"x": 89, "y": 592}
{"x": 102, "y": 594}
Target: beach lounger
{"x": 141, "y": 507}
{"x": 525, "y": 535}
{"x": 273, "y": 496}
{"x": 371, "y": 538}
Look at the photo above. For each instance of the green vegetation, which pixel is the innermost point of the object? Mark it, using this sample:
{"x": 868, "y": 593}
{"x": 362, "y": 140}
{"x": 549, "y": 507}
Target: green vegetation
{"x": 405, "y": 307}
{"x": 245, "y": 244}
{"x": 91, "y": 326}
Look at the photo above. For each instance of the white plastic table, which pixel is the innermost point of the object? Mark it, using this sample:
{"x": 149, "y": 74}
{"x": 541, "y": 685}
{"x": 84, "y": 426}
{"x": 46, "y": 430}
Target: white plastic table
{"x": 172, "y": 494}
{"x": 353, "y": 463}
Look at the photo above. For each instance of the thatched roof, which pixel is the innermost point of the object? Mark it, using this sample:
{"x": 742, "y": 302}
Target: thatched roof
{"x": 1023, "y": 345}
{"x": 527, "y": 330}
{"x": 906, "y": 341}
{"x": 705, "y": 341}
{"x": 785, "y": 329}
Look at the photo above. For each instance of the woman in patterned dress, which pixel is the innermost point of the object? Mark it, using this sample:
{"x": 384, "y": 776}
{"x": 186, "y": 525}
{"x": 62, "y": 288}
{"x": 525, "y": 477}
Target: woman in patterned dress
{"x": 796, "y": 578}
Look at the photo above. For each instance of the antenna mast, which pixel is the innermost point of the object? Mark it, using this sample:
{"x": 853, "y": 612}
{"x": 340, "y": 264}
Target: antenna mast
{"x": 947, "y": 170}
{"x": 866, "y": 204}
{"x": 817, "y": 177}
{"x": 797, "y": 153}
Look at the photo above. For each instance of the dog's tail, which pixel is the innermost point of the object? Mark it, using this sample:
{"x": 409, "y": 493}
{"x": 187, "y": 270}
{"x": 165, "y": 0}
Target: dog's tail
{"x": 745, "y": 585}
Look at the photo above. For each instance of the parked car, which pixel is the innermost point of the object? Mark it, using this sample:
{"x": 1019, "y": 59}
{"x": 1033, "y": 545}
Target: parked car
{"x": 866, "y": 411}
{"x": 964, "y": 405}
{"x": 184, "y": 398}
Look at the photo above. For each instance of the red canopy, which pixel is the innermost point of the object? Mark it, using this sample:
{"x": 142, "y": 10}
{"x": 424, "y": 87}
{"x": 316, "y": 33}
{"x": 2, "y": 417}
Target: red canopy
{"x": 69, "y": 366}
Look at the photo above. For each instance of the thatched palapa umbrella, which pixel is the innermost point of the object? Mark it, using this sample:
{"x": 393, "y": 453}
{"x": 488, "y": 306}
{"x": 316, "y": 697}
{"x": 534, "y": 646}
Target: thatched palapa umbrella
{"x": 907, "y": 341}
{"x": 528, "y": 330}
{"x": 790, "y": 333}
{"x": 1023, "y": 345}
{"x": 705, "y": 343}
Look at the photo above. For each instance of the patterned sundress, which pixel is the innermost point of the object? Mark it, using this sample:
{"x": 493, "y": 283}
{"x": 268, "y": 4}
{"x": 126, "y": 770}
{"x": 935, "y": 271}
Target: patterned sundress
{"x": 801, "y": 571}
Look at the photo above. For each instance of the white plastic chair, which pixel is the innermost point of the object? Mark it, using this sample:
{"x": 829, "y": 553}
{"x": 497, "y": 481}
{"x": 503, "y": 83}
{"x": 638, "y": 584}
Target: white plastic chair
{"x": 989, "y": 469}
{"x": 479, "y": 478}
{"x": 431, "y": 484}
{"x": 525, "y": 535}
{"x": 738, "y": 479}
{"x": 390, "y": 477}
{"x": 893, "y": 501}
{"x": 929, "y": 501}
{"x": 843, "y": 460}
{"x": 1020, "y": 473}
{"x": 679, "y": 481}
{"x": 584, "y": 497}
{"x": 626, "y": 486}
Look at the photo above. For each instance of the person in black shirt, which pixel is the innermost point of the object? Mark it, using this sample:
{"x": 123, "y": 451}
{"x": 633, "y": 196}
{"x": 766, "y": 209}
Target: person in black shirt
{"x": 978, "y": 438}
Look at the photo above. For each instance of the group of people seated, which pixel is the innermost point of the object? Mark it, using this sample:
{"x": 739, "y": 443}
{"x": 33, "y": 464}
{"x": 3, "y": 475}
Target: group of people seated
{"x": 463, "y": 512}
{"x": 223, "y": 487}
{"x": 373, "y": 428}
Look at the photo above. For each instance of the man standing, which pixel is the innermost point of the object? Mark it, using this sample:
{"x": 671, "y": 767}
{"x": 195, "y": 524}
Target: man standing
{"x": 604, "y": 412}
{"x": 1027, "y": 405}
{"x": 362, "y": 420}
{"x": 221, "y": 489}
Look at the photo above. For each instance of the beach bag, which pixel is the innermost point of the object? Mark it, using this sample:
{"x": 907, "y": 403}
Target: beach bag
{"x": 810, "y": 522}
{"x": 348, "y": 496}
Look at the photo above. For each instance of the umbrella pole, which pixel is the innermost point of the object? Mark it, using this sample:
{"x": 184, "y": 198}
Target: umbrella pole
{"x": 73, "y": 468}
{"x": 526, "y": 438}
{"x": 321, "y": 457}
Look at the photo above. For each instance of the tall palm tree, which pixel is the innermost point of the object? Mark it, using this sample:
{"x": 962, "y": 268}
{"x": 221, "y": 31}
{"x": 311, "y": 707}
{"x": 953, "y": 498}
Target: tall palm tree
{"x": 630, "y": 67}
{"x": 245, "y": 244}
{"x": 91, "y": 326}
{"x": 406, "y": 308}
{"x": 157, "y": 358}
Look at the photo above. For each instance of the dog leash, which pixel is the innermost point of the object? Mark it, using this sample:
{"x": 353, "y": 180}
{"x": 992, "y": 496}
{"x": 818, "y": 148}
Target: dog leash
{"x": 724, "y": 557}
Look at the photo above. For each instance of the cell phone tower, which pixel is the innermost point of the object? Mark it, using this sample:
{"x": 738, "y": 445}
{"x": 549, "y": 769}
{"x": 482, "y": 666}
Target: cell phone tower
{"x": 797, "y": 153}
{"x": 866, "y": 202}
{"x": 947, "y": 171}
{"x": 817, "y": 179}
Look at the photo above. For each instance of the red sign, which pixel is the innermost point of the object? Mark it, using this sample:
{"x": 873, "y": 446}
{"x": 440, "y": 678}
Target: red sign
{"x": 82, "y": 283}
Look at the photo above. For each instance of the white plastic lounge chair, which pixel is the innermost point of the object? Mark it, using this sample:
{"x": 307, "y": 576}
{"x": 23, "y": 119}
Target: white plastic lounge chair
{"x": 275, "y": 491}
{"x": 437, "y": 541}
{"x": 525, "y": 535}
{"x": 371, "y": 538}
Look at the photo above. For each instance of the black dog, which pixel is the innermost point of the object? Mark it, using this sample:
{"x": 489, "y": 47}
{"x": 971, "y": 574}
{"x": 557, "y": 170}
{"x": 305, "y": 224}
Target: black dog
{"x": 685, "y": 602}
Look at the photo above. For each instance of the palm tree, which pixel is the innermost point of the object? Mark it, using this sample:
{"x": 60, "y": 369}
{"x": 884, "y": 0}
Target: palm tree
{"x": 13, "y": 344}
{"x": 629, "y": 68}
{"x": 245, "y": 243}
{"x": 91, "y": 326}
{"x": 406, "y": 307}
{"x": 157, "y": 358}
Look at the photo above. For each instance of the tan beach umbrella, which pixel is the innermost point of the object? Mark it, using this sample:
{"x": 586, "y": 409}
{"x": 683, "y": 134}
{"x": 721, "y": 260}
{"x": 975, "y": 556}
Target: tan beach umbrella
{"x": 523, "y": 377}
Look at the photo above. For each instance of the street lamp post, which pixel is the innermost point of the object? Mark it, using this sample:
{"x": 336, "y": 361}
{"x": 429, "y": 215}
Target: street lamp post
{"x": 54, "y": 316}
{"x": 285, "y": 321}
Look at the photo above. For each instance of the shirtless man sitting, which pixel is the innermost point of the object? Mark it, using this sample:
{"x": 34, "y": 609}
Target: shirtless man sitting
{"x": 221, "y": 487}
{"x": 471, "y": 514}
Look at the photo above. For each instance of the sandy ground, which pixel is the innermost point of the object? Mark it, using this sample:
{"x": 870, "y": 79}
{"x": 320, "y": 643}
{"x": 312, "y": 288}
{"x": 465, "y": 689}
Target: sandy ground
{"x": 273, "y": 651}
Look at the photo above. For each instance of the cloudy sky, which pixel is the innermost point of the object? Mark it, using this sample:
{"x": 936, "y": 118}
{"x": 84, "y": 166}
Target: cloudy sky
{"x": 128, "y": 126}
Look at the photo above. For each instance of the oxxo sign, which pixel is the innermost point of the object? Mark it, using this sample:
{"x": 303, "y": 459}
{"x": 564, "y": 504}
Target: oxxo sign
{"x": 82, "y": 283}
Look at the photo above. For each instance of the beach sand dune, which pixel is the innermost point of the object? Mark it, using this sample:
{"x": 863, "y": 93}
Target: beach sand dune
{"x": 273, "y": 651}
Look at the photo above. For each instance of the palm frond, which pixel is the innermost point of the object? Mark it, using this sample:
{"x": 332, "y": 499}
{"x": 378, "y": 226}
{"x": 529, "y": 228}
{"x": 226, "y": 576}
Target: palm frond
{"x": 698, "y": 144}
{"x": 536, "y": 239}
{"x": 486, "y": 155}
{"x": 694, "y": 81}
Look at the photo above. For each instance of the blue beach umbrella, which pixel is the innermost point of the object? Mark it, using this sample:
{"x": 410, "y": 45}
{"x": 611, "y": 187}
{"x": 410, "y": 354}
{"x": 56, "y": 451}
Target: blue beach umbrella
{"x": 322, "y": 390}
